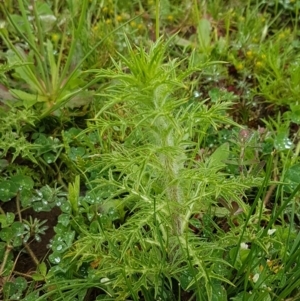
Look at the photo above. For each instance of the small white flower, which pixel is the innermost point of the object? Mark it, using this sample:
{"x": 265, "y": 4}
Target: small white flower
{"x": 104, "y": 280}
{"x": 244, "y": 246}
{"x": 255, "y": 277}
{"x": 271, "y": 231}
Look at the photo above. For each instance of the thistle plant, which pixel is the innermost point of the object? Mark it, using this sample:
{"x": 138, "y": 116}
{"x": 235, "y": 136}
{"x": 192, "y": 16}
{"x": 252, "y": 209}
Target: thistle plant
{"x": 151, "y": 179}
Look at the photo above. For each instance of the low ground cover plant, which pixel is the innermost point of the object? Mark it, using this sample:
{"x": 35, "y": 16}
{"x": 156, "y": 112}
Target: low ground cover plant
{"x": 149, "y": 151}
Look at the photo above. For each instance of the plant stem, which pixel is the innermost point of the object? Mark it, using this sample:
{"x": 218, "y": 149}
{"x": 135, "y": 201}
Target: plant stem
{"x": 32, "y": 255}
{"x": 59, "y": 178}
{"x": 172, "y": 165}
{"x": 18, "y": 206}
{"x": 8, "y": 248}
{"x": 28, "y": 249}
{"x": 22, "y": 274}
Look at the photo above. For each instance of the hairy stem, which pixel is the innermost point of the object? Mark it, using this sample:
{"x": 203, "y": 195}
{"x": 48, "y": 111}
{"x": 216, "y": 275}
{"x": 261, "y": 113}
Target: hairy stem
{"x": 172, "y": 164}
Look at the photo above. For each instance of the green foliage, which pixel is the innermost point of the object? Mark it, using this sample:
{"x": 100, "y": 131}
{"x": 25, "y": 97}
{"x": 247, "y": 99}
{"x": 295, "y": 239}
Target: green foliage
{"x": 53, "y": 80}
{"x": 155, "y": 186}
{"x": 13, "y": 133}
{"x": 172, "y": 168}
{"x": 279, "y": 77}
